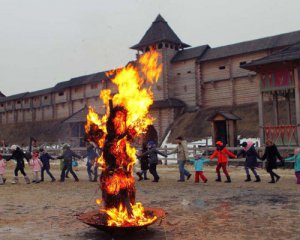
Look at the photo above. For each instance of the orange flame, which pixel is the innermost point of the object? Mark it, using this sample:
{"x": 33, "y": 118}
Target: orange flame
{"x": 135, "y": 98}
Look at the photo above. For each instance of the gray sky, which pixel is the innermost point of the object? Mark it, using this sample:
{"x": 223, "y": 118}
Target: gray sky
{"x": 43, "y": 42}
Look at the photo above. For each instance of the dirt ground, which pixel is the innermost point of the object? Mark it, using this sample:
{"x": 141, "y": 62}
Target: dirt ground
{"x": 194, "y": 211}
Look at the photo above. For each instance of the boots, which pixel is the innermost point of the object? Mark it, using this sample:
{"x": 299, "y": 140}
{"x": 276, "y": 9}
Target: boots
{"x": 15, "y": 180}
{"x": 228, "y": 179}
{"x": 257, "y": 179}
{"x": 248, "y": 179}
{"x": 27, "y": 180}
{"x": 219, "y": 178}
{"x": 140, "y": 176}
{"x": 145, "y": 176}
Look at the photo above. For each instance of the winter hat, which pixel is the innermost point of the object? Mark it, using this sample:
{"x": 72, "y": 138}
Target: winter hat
{"x": 220, "y": 143}
{"x": 13, "y": 147}
{"x": 35, "y": 154}
{"x": 249, "y": 145}
{"x": 296, "y": 151}
{"x": 151, "y": 143}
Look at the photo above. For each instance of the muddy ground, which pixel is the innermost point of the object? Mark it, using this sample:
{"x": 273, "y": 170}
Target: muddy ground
{"x": 195, "y": 211}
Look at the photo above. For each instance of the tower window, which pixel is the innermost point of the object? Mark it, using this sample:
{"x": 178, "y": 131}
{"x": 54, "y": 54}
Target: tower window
{"x": 243, "y": 63}
{"x": 45, "y": 97}
{"x": 61, "y": 94}
{"x": 18, "y": 102}
{"x": 167, "y": 45}
{"x": 171, "y": 46}
{"x": 189, "y": 72}
{"x": 222, "y": 67}
{"x": 178, "y": 74}
{"x": 160, "y": 46}
{"x": 2, "y": 105}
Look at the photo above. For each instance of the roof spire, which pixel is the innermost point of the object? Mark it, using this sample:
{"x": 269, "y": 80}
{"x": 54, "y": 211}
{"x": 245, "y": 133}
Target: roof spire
{"x": 159, "y": 31}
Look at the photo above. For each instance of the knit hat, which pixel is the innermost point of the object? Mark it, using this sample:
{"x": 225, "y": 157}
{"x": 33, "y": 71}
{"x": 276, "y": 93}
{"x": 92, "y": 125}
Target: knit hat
{"x": 35, "y": 154}
{"x": 13, "y": 147}
{"x": 220, "y": 143}
{"x": 151, "y": 143}
{"x": 249, "y": 145}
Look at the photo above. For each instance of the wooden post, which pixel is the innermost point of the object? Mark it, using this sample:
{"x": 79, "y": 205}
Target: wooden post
{"x": 166, "y": 152}
{"x": 261, "y": 117}
{"x": 297, "y": 103}
{"x": 275, "y": 109}
{"x": 194, "y": 150}
{"x": 288, "y": 100}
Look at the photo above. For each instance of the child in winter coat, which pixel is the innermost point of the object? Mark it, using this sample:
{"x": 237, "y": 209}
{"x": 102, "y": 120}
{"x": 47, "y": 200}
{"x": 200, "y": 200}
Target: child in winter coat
{"x": 36, "y": 165}
{"x": 251, "y": 156}
{"x": 153, "y": 159}
{"x": 144, "y": 164}
{"x": 2, "y": 170}
{"x": 296, "y": 158}
{"x": 19, "y": 155}
{"x": 221, "y": 153}
{"x": 198, "y": 164}
{"x": 45, "y": 158}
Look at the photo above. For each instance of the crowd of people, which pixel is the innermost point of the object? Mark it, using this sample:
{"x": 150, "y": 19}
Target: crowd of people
{"x": 149, "y": 160}
{"x": 39, "y": 160}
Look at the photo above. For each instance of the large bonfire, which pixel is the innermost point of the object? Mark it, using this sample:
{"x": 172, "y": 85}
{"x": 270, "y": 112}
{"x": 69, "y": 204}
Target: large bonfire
{"x": 127, "y": 117}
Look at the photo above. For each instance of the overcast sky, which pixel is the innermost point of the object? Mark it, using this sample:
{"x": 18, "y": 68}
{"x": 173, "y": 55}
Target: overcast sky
{"x": 43, "y": 42}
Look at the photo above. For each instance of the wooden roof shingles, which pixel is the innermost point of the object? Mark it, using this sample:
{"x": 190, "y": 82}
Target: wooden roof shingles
{"x": 291, "y": 53}
{"x": 190, "y": 53}
{"x": 168, "y": 103}
{"x": 73, "y": 82}
{"x": 281, "y": 40}
{"x": 18, "y": 96}
{"x": 159, "y": 31}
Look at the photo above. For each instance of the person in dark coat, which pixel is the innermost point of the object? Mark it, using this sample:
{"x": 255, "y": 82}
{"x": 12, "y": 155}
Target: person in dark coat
{"x": 153, "y": 159}
{"x": 251, "y": 156}
{"x": 271, "y": 154}
{"x": 144, "y": 163}
{"x": 19, "y": 155}
{"x": 67, "y": 156}
{"x": 45, "y": 158}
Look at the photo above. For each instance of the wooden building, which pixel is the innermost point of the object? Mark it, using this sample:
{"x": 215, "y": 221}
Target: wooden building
{"x": 195, "y": 82}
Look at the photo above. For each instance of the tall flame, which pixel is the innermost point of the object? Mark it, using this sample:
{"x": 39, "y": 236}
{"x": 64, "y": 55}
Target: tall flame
{"x": 129, "y": 120}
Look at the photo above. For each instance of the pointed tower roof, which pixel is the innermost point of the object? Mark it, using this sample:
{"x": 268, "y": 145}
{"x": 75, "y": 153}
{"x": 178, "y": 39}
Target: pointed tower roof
{"x": 158, "y": 32}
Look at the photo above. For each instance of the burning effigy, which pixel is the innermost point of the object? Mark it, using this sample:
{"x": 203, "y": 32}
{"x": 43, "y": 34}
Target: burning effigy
{"x": 126, "y": 119}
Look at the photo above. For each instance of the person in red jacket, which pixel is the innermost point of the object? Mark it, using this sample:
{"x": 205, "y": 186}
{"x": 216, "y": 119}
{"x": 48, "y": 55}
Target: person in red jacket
{"x": 222, "y": 154}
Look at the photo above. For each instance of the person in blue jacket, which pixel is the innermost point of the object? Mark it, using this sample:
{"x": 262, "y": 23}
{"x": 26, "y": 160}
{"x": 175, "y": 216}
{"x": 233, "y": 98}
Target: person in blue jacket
{"x": 198, "y": 164}
{"x": 296, "y": 158}
{"x": 45, "y": 158}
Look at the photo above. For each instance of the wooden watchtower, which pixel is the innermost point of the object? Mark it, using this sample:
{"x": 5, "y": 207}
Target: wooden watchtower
{"x": 279, "y": 84}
